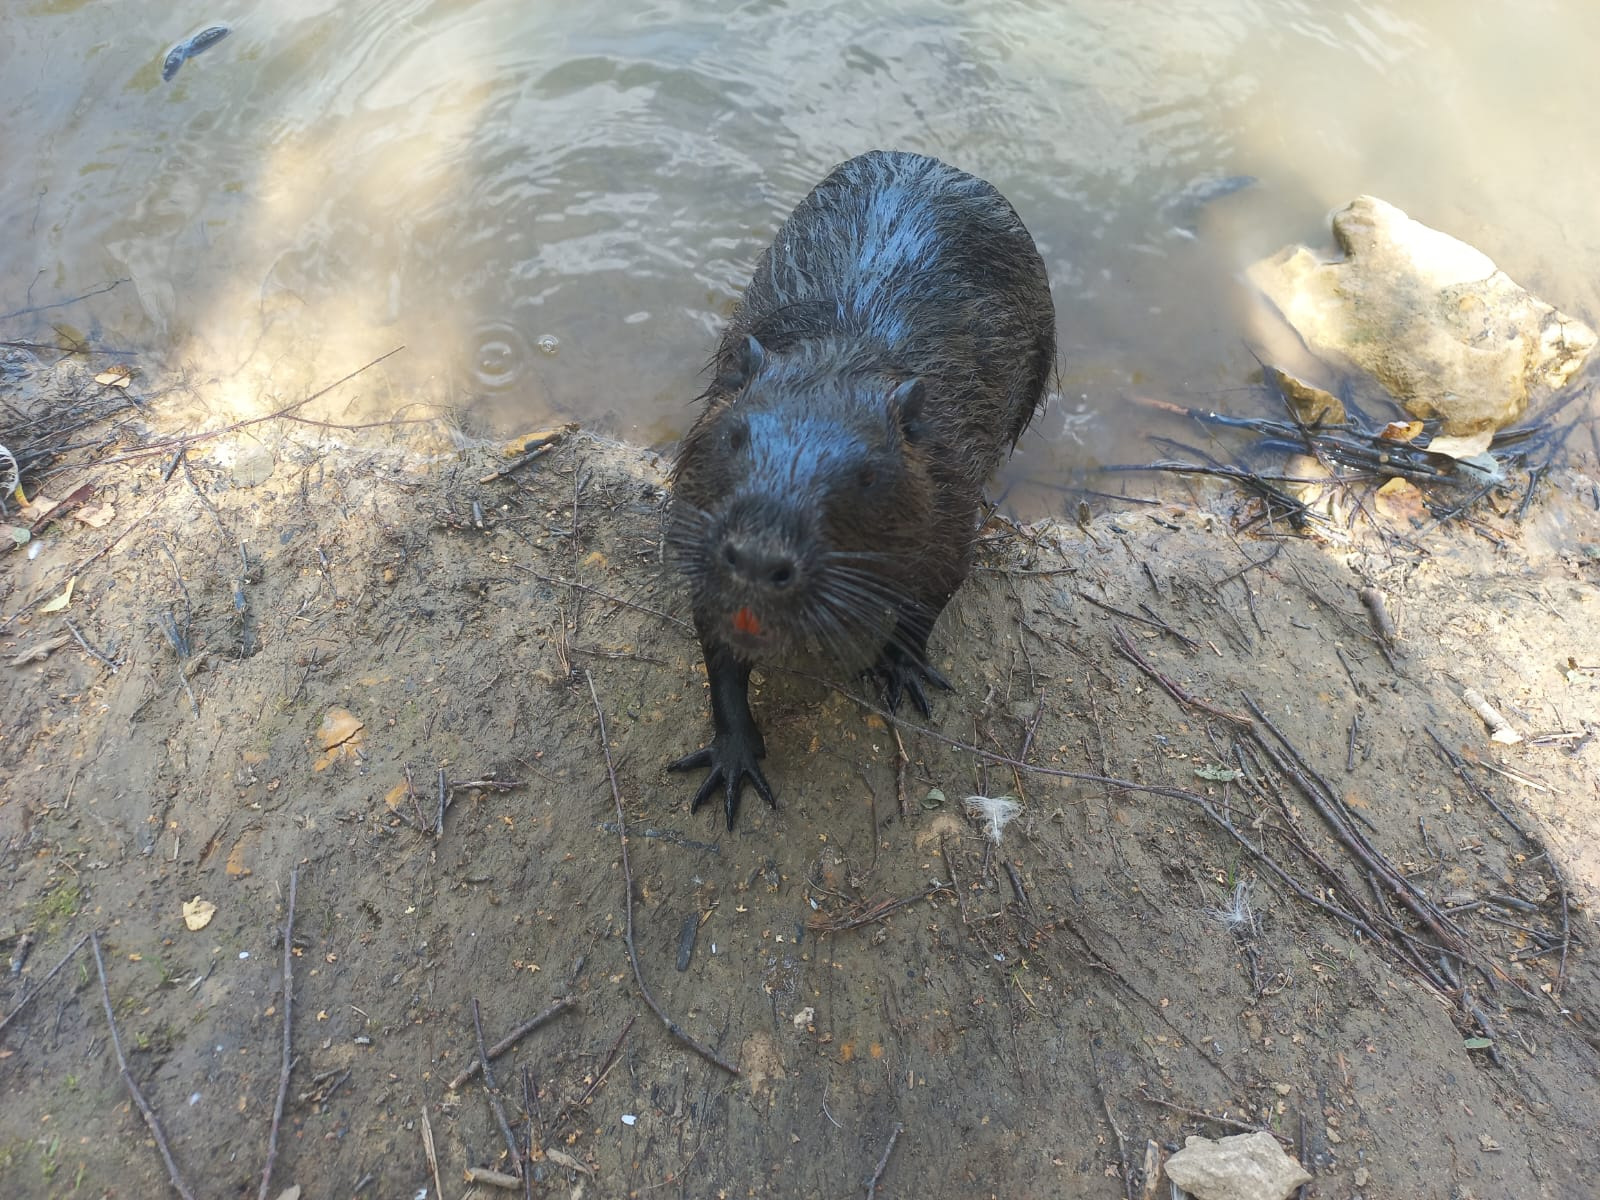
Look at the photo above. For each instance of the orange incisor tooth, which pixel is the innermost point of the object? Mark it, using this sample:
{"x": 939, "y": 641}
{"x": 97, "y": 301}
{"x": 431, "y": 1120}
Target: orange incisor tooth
{"x": 745, "y": 622}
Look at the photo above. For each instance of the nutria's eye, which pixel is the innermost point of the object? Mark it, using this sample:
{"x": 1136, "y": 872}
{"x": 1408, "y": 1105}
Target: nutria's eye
{"x": 738, "y": 437}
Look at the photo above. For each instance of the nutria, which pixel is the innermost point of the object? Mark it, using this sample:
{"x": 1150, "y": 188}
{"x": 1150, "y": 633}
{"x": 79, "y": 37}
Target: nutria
{"x": 893, "y": 344}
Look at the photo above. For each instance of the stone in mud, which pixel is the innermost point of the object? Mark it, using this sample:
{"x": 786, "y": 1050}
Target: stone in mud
{"x": 1247, "y": 1166}
{"x": 1447, "y": 332}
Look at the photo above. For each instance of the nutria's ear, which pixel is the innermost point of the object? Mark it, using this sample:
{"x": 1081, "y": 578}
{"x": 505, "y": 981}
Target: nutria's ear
{"x": 905, "y": 409}
{"x": 741, "y": 366}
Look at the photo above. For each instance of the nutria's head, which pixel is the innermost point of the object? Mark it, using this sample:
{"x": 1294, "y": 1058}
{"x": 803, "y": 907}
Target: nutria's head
{"x": 803, "y": 505}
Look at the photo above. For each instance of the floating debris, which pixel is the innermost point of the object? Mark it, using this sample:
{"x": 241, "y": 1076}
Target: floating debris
{"x": 190, "y": 46}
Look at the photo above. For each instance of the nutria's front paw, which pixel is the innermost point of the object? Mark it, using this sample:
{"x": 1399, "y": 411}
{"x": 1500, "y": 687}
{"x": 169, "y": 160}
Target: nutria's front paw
{"x": 731, "y": 757}
{"x": 902, "y": 673}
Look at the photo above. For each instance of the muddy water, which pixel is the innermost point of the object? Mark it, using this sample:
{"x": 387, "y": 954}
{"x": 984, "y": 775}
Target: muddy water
{"x": 552, "y": 205}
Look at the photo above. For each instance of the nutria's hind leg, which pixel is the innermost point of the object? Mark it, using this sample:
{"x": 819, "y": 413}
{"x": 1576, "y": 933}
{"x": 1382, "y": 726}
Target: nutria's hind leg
{"x": 903, "y": 667}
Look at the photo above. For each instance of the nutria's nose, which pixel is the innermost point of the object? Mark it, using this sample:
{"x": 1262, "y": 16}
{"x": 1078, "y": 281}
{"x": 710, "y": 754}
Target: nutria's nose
{"x": 759, "y": 564}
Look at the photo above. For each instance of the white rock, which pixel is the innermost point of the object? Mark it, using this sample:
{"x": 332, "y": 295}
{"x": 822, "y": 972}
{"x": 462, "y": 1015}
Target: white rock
{"x": 1435, "y": 321}
{"x": 1248, "y": 1166}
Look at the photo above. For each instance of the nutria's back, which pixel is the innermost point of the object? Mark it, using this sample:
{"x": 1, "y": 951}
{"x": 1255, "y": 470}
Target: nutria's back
{"x": 916, "y": 267}
{"x": 894, "y": 342}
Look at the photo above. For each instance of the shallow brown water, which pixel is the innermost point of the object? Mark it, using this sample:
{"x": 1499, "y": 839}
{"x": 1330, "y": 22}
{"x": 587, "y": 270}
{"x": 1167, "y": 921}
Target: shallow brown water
{"x": 553, "y": 206}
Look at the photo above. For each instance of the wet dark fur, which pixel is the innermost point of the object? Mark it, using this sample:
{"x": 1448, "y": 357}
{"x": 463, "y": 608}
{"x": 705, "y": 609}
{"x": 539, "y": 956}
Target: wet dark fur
{"x": 893, "y": 344}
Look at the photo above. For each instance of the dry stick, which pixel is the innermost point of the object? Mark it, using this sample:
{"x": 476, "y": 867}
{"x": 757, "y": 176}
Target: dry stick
{"x": 1225, "y": 1122}
{"x": 1404, "y": 891}
{"x": 1457, "y": 763}
{"x": 79, "y": 569}
{"x": 427, "y": 1148}
{"x": 1299, "y": 760}
{"x": 557, "y": 581}
{"x": 1131, "y": 652}
{"x": 900, "y": 762}
{"x": 1149, "y": 789}
{"x": 883, "y": 1163}
{"x": 511, "y": 1039}
{"x": 1153, "y": 622}
{"x": 110, "y": 663}
{"x": 288, "y": 1011}
{"x": 609, "y": 1061}
{"x": 181, "y": 442}
{"x": 127, "y": 1077}
{"x": 877, "y": 912}
{"x": 185, "y": 440}
{"x": 673, "y": 1028}
{"x": 493, "y": 1092}
{"x": 530, "y": 1102}
{"x": 39, "y": 987}
{"x": 1403, "y": 938}
{"x": 1122, "y": 1143}
{"x": 955, "y": 883}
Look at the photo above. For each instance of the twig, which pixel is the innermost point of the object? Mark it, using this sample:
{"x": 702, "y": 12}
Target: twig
{"x": 540, "y": 446}
{"x": 557, "y": 581}
{"x": 609, "y": 1061}
{"x": 288, "y": 1010}
{"x": 673, "y": 1028}
{"x": 79, "y": 569}
{"x": 1483, "y": 793}
{"x": 1033, "y": 727}
{"x": 1225, "y": 1122}
{"x": 511, "y": 1039}
{"x": 127, "y": 1077}
{"x": 1153, "y": 622}
{"x": 39, "y": 987}
{"x": 493, "y": 1092}
{"x": 427, "y": 1148}
{"x": 955, "y": 883}
{"x": 901, "y": 761}
{"x": 287, "y": 412}
{"x": 1131, "y": 652}
{"x": 877, "y": 912}
{"x": 22, "y": 312}
{"x": 1122, "y": 1142}
{"x": 111, "y": 663}
{"x": 530, "y": 1105}
{"x": 883, "y": 1162}
{"x": 444, "y": 801}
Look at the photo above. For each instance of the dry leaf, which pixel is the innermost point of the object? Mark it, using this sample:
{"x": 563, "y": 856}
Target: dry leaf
{"x": 517, "y": 447}
{"x": 340, "y": 736}
{"x": 120, "y": 375}
{"x": 1401, "y": 502}
{"x": 236, "y": 867}
{"x": 395, "y": 795}
{"x": 1310, "y": 405}
{"x": 37, "y": 509}
{"x": 61, "y": 601}
{"x": 1462, "y": 447}
{"x": 97, "y": 516}
{"x": 197, "y": 913}
{"x": 1401, "y": 431}
{"x": 338, "y": 727}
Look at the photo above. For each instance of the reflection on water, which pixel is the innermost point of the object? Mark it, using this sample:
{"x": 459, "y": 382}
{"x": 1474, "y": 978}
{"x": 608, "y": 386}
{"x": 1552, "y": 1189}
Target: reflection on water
{"x": 552, "y": 206}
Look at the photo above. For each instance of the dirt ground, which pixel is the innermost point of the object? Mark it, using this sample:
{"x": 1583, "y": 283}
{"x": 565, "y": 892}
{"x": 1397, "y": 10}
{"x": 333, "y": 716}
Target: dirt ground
{"x": 1269, "y": 870}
